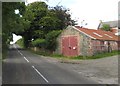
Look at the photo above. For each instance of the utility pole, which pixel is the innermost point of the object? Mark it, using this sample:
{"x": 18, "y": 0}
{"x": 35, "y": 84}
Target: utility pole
{"x": 99, "y": 24}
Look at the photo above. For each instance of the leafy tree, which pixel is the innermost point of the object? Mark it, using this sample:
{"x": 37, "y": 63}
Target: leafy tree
{"x": 9, "y": 18}
{"x": 38, "y": 43}
{"x": 34, "y": 12}
{"x": 106, "y": 27}
{"x": 8, "y": 21}
{"x": 35, "y": 21}
{"x": 38, "y": 20}
{"x": 51, "y": 43}
{"x": 64, "y": 17}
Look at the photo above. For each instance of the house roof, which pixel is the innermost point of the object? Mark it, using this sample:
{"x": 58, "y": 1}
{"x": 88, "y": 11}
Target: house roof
{"x": 111, "y": 23}
{"x": 97, "y": 34}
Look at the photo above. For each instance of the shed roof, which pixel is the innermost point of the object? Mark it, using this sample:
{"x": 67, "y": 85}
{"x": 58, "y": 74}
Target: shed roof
{"x": 97, "y": 34}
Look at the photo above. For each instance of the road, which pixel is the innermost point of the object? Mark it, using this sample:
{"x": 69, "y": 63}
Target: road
{"x": 24, "y": 67}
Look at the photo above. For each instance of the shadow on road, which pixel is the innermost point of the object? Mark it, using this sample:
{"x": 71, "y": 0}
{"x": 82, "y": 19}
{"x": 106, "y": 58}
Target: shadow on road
{"x": 16, "y": 48}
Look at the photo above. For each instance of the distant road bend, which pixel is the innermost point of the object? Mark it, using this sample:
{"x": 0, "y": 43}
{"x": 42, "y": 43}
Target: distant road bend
{"x": 24, "y": 67}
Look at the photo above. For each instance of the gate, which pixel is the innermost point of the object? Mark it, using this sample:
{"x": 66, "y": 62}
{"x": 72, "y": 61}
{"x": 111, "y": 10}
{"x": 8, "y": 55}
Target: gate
{"x": 70, "y": 46}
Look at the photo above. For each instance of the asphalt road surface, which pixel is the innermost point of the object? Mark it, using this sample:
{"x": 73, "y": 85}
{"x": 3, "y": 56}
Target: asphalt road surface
{"x": 24, "y": 67}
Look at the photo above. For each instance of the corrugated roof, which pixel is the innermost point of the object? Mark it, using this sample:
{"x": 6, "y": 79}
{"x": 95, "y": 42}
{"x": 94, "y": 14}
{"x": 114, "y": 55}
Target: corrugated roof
{"x": 98, "y": 34}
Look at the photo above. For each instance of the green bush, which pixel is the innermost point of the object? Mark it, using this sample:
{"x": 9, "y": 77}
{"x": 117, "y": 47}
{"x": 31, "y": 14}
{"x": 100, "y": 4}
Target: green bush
{"x": 106, "y": 27}
{"x": 38, "y": 43}
{"x": 50, "y": 39}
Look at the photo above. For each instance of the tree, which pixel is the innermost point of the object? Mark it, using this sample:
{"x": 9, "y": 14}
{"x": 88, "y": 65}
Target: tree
{"x": 106, "y": 27}
{"x": 9, "y": 18}
{"x": 41, "y": 20}
{"x": 51, "y": 37}
{"x": 38, "y": 43}
{"x": 8, "y": 21}
{"x": 64, "y": 17}
{"x": 34, "y": 12}
{"x": 36, "y": 20}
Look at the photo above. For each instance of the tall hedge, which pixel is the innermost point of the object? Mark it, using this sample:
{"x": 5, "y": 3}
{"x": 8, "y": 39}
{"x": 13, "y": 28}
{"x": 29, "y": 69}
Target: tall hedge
{"x": 38, "y": 43}
{"x": 50, "y": 39}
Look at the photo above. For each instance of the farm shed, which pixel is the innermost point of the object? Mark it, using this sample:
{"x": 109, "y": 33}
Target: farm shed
{"x": 75, "y": 41}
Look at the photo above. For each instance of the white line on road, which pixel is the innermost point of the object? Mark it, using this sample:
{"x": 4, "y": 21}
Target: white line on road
{"x": 33, "y": 66}
{"x": 26, "y": 59}
{"x": 40, "y": 74}
{"x": 21, "y": 54}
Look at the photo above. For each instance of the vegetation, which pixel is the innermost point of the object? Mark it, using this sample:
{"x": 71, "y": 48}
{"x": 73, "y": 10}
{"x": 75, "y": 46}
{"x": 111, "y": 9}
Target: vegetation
{"x": 106, "y": 27}
{"x": 97, "y": 56}
{"x": 38, "y": 43}
{"x": 49, "y": 42}
{"x": 38, "y": 24}
{"x": 20, "y": 43}
{"x": 50, "y": 39}
{"x": 34, "y": 22}
{"x": 9, "y": 20}
{"x": 38, "y": 20}
{"x": 100, "y": 55}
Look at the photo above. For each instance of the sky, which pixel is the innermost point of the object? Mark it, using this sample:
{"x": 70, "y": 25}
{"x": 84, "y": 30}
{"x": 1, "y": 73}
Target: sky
{"x": 91, "y": 11}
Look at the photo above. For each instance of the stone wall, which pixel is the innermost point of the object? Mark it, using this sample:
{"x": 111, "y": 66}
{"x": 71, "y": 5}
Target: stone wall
{"x": 99, "y": 46}
{"x": 114, "y": 45}
{"x": 84, "y": 42}
{"x": 86, "y": 45}
{"x": 69, "y": 31}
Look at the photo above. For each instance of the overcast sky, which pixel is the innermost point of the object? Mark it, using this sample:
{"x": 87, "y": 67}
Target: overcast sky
{"x": 92, "y": 11}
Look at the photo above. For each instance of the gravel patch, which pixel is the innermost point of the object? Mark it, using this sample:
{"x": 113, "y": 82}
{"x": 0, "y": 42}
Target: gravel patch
{"x": 104, "y": 70}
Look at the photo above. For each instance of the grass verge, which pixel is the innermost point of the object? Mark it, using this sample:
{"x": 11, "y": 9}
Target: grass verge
{"x": 97, "y": 56}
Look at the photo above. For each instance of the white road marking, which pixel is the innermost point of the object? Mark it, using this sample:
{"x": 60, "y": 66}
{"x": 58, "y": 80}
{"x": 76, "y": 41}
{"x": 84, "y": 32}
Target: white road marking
{"x": 40, "y": 74}
{"x": 33, "y": 66}
{"x": 26, "y": 59}
{"x": 21, "y": 53}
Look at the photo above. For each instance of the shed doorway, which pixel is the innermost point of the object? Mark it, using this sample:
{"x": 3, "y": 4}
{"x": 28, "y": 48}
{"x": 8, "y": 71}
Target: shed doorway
{"x": 70, "y": 46}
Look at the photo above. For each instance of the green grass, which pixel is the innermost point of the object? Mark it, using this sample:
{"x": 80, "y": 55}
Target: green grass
{"x": 97, "y": 56}
{"x": 40, "y": 52}
{"x": 57, "y": 56}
